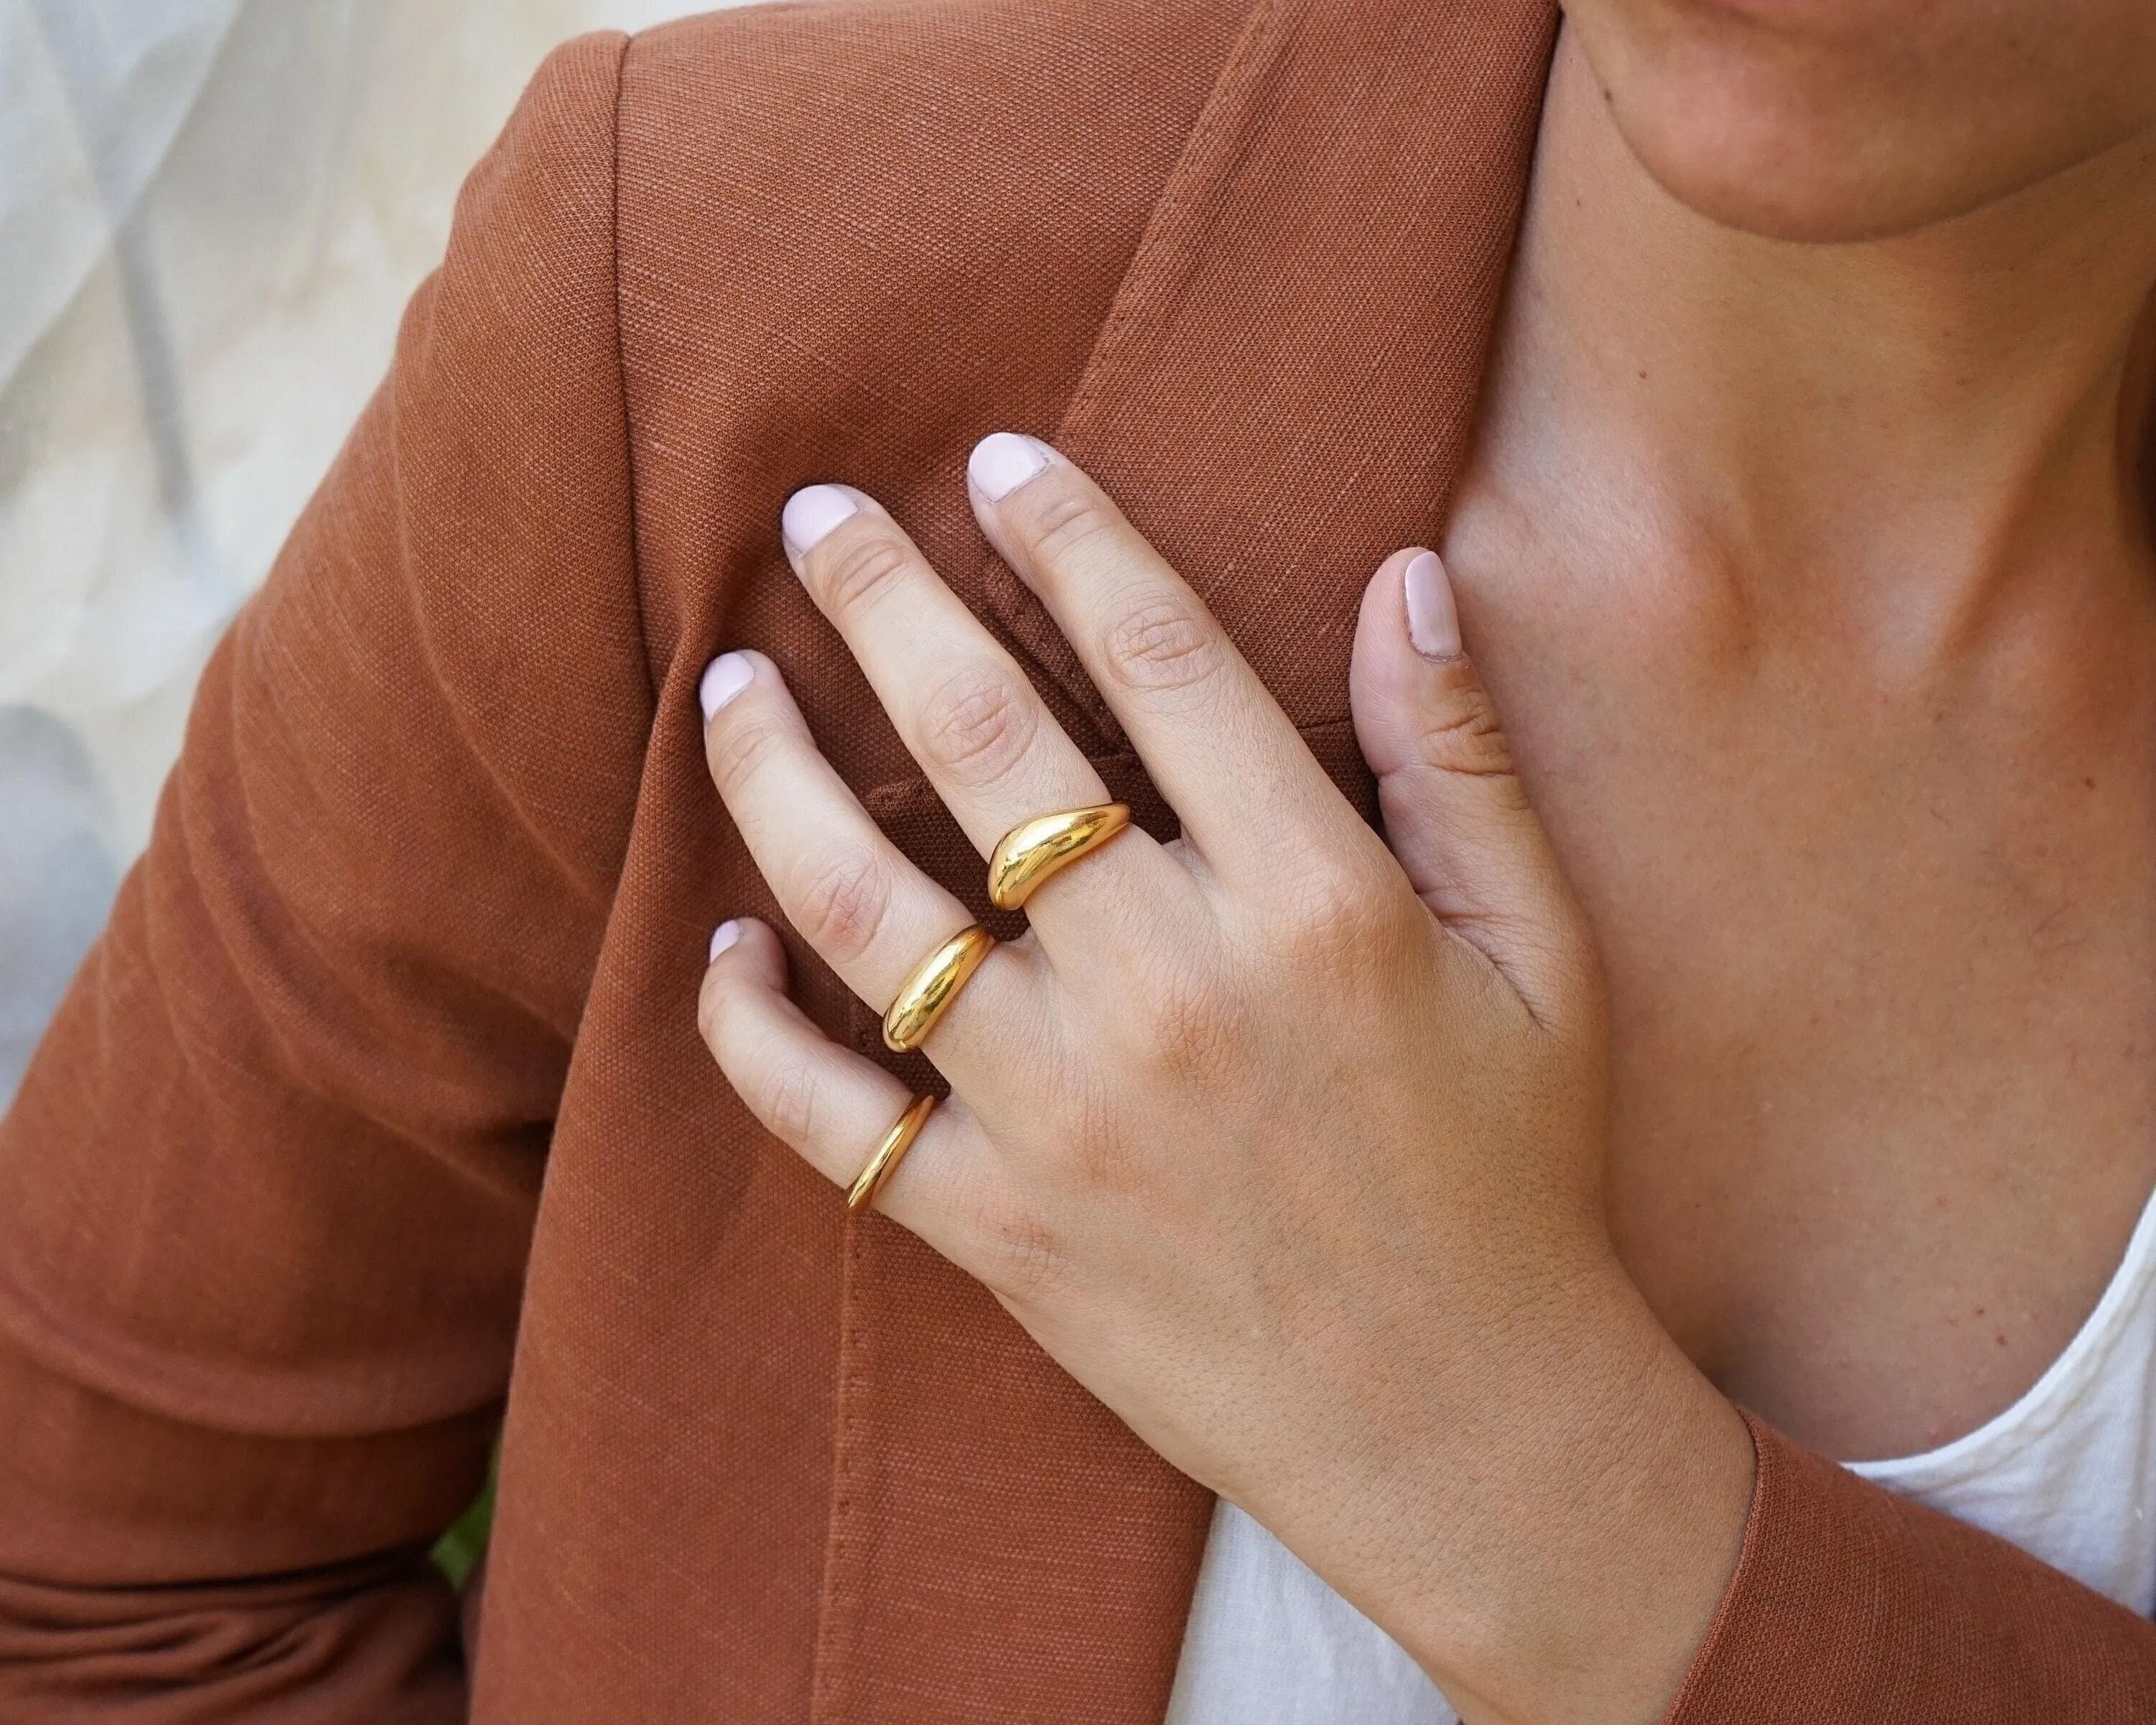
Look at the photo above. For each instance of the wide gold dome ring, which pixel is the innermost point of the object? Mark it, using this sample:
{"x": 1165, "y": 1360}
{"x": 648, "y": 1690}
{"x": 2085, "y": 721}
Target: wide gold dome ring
{"x": 926, "y": 994}
{"x": 1032, "y": 850}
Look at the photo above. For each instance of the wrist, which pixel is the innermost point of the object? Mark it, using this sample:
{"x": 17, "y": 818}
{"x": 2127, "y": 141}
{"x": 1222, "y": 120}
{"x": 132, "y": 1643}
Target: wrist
{"x": 1558, "y": 1544}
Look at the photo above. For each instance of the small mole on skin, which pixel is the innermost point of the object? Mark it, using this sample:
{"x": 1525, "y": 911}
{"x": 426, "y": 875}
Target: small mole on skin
{"x": 2002, "y": 1338}
{"x": 2090, "y": 782}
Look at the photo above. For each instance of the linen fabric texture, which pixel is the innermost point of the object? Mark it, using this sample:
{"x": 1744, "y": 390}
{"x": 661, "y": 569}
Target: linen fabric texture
{"x": 378, "y": 1121}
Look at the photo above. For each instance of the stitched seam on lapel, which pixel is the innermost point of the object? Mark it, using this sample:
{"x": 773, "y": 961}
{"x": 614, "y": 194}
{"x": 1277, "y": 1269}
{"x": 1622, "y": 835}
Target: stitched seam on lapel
{"x": 1204, "y": 161}
{"x": 1200, "y": 168}
{"x": 845, "y": 1537}
{"x": 1201, "y": 163}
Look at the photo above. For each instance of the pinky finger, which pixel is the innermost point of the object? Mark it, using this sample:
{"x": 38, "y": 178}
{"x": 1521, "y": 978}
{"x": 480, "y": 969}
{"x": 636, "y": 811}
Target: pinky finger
{"x": 826, "y": 1103}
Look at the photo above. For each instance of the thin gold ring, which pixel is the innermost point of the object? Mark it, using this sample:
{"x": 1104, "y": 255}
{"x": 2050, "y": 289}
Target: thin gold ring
{"x": 889, "y": 1154}
{"x": 925, "y": 996}
{"x": 1032, "y": 850}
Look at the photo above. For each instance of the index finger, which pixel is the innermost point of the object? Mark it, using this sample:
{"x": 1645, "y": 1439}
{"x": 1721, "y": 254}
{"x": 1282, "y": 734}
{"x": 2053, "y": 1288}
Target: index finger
{"x": 1210, "y": 733}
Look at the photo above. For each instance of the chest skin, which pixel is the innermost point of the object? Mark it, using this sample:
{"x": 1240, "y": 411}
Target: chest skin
{"x": 1881, "y": 951}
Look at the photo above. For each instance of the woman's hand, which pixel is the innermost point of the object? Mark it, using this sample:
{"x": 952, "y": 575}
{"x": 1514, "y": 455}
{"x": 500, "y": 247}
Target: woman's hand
{"x": 1288, "y": 1146}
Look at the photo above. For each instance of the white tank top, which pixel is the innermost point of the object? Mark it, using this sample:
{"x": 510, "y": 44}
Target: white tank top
{"x": 2067, "y": 1473}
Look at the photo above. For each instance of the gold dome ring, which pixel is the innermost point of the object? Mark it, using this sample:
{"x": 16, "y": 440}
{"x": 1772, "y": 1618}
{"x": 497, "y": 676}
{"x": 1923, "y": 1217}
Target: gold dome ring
{"x": 889, "y": 1154}
{"x": 926, "y": 994}
{"x": 1032, "y": 850}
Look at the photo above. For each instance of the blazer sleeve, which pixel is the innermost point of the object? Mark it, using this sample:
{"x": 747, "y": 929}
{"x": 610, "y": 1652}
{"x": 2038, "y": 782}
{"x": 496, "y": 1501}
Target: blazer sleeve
{"x": 1850, "y": 1603}
{"x": 267, "y": 1190}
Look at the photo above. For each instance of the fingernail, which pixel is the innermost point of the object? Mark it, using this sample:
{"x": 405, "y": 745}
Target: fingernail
{"x": 724, "y": 935}
{"x": 724, "y": 678}
{"x": 1433, "y": 620}
{"x": 812, "y": 511}
{"x": 1002, "y": 462}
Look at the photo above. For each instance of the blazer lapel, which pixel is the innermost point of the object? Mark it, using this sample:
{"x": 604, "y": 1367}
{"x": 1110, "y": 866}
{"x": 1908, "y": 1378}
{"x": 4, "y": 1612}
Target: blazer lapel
{"x": 1283, "y": 393}
{"x": 1282, "y": 396}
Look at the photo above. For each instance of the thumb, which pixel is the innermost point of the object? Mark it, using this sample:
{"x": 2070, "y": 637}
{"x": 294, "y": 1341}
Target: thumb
{"x": 1455, "y": 813}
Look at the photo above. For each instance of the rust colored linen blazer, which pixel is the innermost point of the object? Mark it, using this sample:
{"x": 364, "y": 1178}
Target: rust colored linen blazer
{"x": 377, "y": 1122}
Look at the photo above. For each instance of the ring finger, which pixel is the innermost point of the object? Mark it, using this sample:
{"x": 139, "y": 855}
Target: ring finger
{"x": 868, "y": 911}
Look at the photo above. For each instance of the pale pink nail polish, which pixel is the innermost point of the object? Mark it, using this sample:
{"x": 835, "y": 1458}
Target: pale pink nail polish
{"x": 724, "y": 678}
{"x": 1002, "y": 462}
{"x": 812, "y": 512}
{"x": 1433, "y": 620}
{"x": 724, "y": 935}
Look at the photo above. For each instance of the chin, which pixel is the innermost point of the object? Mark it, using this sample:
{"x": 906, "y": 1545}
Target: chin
{"x": 1780, "y": 168}
{"x": 1836, "y": 121}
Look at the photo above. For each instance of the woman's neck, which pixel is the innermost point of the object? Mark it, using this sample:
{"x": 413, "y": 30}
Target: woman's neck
{"x": 1898, "y": 443}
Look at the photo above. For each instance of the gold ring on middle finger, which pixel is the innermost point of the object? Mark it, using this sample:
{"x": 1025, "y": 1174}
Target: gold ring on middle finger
{"x": 1032, "y": 850}
{"x": 927, "y": 994}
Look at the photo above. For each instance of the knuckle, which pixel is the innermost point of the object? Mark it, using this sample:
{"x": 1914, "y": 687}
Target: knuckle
{"x": 1190, "y": 1019}
{"x": 739, "y": 744}
{"x": 861, "y": 565}
{"x": 1097, "y": 1154}
{"x": 1162, "y": 645}
{"x": 977, "y": 724}
{"x": 1335, "y": 908}
{"x": 1068, "y": 522}
{"x": 785, "y": 1100}
{"x": 1460, "y": 733}
{"x": 842, "y": 899}
{"x": 1028, "y": 1260}
{"x": 711, "y": 1000}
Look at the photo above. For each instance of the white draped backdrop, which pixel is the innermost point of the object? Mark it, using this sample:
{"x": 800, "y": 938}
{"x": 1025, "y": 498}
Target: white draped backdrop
{"x": 211, "y": 212}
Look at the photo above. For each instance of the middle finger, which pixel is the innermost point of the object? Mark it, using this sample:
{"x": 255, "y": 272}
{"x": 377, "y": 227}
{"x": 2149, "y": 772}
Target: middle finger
{"x": 1229, "y": 760}
{"x": 963, "y": 707}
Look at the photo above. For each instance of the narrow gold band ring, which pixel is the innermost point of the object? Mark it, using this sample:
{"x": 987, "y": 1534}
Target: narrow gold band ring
{"x": 1032, "y": 850}
{"x": 925, "y": 996}
{"x": 889, "y": 1154}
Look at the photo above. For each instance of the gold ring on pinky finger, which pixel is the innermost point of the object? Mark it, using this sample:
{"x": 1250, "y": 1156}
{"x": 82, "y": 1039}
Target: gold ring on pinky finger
{"x": 925, "y": 996}
{"x": 889, "y": 1154}
{"x": 1032, "y": 850}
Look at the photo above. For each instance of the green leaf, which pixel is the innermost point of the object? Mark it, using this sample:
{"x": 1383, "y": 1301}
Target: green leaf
{"x": 457, "y": 1551}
